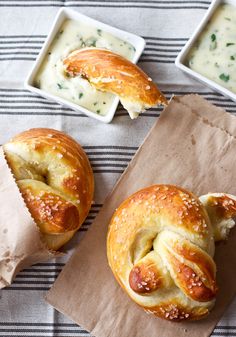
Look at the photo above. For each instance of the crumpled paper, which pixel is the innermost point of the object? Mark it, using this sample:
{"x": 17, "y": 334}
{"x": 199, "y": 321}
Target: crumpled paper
{"x": 193, "y": 145}
{"x": 21, "y": 244}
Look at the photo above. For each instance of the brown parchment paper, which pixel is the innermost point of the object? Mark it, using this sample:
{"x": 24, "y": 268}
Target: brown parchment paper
{"x": 20, "y": 242}
{"x": 193, "y": 145}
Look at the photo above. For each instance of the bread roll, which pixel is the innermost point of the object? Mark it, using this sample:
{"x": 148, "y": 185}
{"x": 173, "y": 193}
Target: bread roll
{"x": 160, "y": 247}
{"x": 113, "y": 73}
{"x": 55, "y": 179}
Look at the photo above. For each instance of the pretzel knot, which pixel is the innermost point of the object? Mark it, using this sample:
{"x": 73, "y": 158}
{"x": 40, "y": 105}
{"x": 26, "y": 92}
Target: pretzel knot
{"x": 160, "y": 246}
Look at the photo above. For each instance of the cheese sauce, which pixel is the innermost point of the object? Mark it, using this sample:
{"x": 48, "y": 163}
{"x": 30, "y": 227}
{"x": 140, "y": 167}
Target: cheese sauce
{"x": 214, "y": 54}
{"x": 52, "y": 78}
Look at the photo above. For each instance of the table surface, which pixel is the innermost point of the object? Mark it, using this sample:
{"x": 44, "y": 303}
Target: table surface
{"x": 166, "y": 26}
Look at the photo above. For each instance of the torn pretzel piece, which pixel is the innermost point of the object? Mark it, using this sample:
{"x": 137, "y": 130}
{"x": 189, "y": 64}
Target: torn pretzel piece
{"x": 110, "y": 72}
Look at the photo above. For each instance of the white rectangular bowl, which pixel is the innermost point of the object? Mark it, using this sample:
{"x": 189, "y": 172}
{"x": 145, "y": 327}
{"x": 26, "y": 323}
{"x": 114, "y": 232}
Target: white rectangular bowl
{"x": 63, "y": 14}
{"x": 181, "y": 58}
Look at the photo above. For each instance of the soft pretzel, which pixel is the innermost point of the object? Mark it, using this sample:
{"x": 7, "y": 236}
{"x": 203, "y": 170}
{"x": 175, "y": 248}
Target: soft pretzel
{"x": 160, "y": 247}
{"x": 55, "y": 179}
{"x": 113, "y": 73}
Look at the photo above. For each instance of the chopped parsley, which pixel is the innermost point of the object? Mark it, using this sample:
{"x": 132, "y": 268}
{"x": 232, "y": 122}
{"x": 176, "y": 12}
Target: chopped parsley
{"x": 95, "y": 103}
{"x": 99, "y": 31}
{"x": 228, "y": 19}
{"x": 230, "y": 44}
{"x": 81, "y": 95}
{"x": 61, "y": 86}
{"x": 232, "y": 57}
{"x": 98, "y": 111}
{"x": 213, "y": 37}
{"x": 91, "y": 42}
{"x": 132, "y": 48}
{"x": 213, "y": 43}
{"x": 224, "y": 77}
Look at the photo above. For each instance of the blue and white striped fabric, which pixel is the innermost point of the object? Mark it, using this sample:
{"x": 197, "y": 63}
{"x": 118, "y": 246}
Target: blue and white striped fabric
{"x": 166, "y": 26}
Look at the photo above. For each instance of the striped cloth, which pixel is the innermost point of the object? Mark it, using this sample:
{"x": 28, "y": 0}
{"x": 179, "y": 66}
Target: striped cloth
{"x": 166, "y": 26}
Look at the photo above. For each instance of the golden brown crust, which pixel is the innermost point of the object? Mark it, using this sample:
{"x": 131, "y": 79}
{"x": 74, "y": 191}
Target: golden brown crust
{"x": 174, "y": 312}
{"x": 55, "y": 178}
{"x": 159, "y": 247}
{"x": 221, "y": 209}
{"x": 54, "y": 214}
{"x": 200, "y": 287}
{"x": 145, "y": 278}
{"x": 224, "y": 205}
{"x": 113, "y": 73}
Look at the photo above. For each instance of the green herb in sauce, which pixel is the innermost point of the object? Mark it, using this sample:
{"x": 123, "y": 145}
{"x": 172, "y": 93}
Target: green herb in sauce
{"x": 232, "y": 57}
{"x": 228, "y": 19}
{"x": 95, "y": 103}
{"x": 81, "y": 95}
{"x": 91, "y": 42}
{"x": 213, "y": 43}
{"x": 224, "y": 77}
{"x": 61, "y": 86}
{"x": 99, "y": 31}
{"x": 98, "y": 111}
{"x": 213, "y": 37}
{"x": 230, "y": 44}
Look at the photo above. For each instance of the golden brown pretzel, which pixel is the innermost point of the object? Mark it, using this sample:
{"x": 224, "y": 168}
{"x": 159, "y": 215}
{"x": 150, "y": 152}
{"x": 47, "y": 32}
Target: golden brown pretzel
{"x": 56, "y": 181}
{"x": 160, "y": 247}
{"x": 113, "y": 73}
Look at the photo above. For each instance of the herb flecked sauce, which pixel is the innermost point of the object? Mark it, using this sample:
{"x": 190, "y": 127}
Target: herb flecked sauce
{"x": 52, "y": 78}
{"x": 214, "y": 53}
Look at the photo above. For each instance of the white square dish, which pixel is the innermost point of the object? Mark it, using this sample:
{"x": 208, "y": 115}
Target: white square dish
{"x": 63, "y": 14}
{"x": 181, "y": 58}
